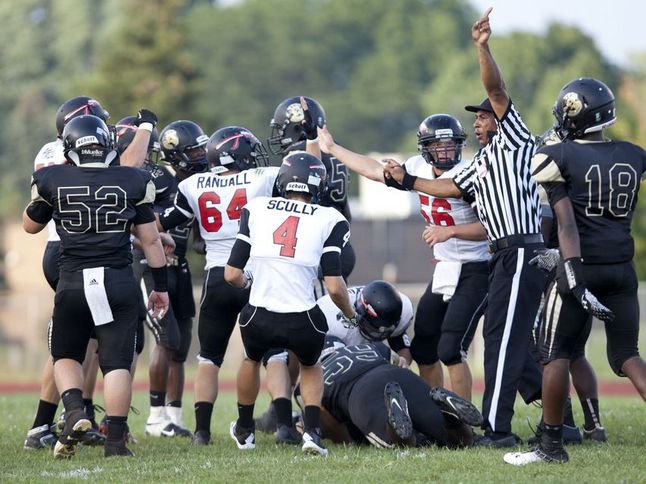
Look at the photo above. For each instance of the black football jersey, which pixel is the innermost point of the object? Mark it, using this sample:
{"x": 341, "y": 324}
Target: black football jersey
{"x": 602, "y": 180}
{"x": 337, "y": 183}
{"x": 165, "y": 191}
{"x": 343, "y": 368}
{"x": 93, "y": 208}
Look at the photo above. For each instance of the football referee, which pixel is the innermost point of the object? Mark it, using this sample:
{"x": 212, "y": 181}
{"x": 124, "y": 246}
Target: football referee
{"x": 509, "y": 208}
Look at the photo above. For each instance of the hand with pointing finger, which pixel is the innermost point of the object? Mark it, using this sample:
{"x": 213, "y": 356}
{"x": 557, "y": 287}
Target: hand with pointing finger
{"x": 481, "y": 30}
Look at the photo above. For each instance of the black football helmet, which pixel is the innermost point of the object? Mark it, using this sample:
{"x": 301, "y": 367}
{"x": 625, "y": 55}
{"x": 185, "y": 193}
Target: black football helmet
{"x": 584, "y": 105}
{"x": 235, "y": 147}
{"x": 379, "y": 307}
{"x": 288, "y": 127}
{"x": 439, "y": 128}
{"x": 86, "y": 139}
{"x": 331, "y": 345}
{"x": 78, "y": 106}
{"x": 125, "y": 130}
{"x": 183, "y": 145}
{"x": 302, "y": 172}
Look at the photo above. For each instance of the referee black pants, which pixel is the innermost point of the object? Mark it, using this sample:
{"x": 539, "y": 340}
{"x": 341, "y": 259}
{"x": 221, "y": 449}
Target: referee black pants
{"x": 515, "y": 290}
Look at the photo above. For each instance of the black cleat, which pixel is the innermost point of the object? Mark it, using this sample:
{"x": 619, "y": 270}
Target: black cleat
{"x": 287, "y": 435}
{"x": 245, "y": 438}
{"x": 397, "y": 408}
{"x": 268, "y": 421}
{"x": 597, "y": 434}
{"x": 117, "y": 449}
{"x": 499, "y": 441}
{"x": 76, "y": 426}
{"x": 201, "y": 437}
{"x": 571, "y": 435}
{"x": 312, "y": 443}
{"x": 40, "y": 438}
{"x": 456, "y": 406}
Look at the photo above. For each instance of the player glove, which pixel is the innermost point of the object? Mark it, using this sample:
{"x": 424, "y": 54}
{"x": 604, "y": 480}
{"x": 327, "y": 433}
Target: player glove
{"x": 145, "y": 116}
{"x": 310, "y": 125}
{"x": 586, "y": 299}
{"x": 349, "y": 323}
{"x": 546, "y": 259}
{"x": 248, "y": 280}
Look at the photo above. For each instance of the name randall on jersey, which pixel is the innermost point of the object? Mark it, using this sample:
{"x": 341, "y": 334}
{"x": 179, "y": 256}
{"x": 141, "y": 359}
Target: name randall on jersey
{"x": 222, "y": 181}
{"x": 288, "y": 206}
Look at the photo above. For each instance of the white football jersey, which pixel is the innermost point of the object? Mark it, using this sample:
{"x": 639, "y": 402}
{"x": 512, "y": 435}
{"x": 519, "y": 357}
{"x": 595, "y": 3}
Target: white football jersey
{"x": 50, "y": 154}
{"x": 288, "y": 238}
{"x": 446, "y": 212}
{"x": 352, "y": 336}
{"x": 217, "y": 202}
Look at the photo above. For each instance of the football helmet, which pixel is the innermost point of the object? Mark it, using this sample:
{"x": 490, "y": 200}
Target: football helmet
{"x": 183, "y": 145}
{"x": 78, "y": 106}
{"x": 125, "y": 130}
{"x": 290, "y": 125}
{"x": 86, "y": 139}
{"x": 584, "y": 105}
{"x": 433, "y": 140}
{"x": 331, "y": 344}
{"x": 379, "y": 307}
{"x": 302, "y": 172}
{"x": 234, "y": 147}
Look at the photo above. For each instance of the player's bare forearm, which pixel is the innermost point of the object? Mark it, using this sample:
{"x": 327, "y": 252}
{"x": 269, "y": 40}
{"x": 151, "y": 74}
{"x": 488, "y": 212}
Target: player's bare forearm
{"x": 135, "y": 154}
{"x": 234, "y": 276}
{"x": 406, "y": 355}
{"x": 151, "y": 244}
{"x": 472, "y": 231}
{"x": 441, "y": 187}
{"x": 489, "y": 72}
{"x": 568, "y": 232}
{"x": 361, "y": 164}
{"x": 338, "y": 291}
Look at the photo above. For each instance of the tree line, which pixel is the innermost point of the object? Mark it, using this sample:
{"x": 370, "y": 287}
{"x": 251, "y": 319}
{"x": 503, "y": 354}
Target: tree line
{"x": 377, "y": 67}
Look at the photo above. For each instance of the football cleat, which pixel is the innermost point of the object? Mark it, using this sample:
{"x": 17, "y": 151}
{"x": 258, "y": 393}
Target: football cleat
{"x": 489, "y": 439}
{"x": 397, "y": 408}
{"x": 287, "y": 435}
{"x": 201, "y": 437}
{"x": 76, "y": 426}
{"x": 117, "y": 448}
{"x": 312, "y": 444}
{"x": 456, "y": 406}
{"x": 597, "y": 434}
{"x": 571, "y": 435}
{"x": 245, "y": 438}
{"x": 267, "y": 421}
{"x": 555, "y": 456}
{"x": 163, "y": 427}
{"x": 40, "y": 438}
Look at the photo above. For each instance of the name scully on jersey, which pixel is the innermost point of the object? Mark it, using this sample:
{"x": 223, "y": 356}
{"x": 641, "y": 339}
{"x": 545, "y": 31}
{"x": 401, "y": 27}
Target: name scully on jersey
{"x": 288, "y": 206}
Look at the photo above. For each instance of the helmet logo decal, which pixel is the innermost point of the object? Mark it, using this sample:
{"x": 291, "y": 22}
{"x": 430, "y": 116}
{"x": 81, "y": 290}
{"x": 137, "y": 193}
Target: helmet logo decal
{"x": 235, "y": 138}
{"x": 572, "y": 104}
{"x": 443, "y": 133}
{"x": 170, "y": 140}
{"x": 86, "y": 140}
{"x": 296, "y": 186}
{"x": 369, "y": 309}
{"x": 314, "y": 180}
{"x": 294, "y": 113}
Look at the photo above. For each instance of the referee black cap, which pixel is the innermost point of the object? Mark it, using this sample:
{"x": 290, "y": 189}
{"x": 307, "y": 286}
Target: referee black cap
{"x": 483, "y": 106}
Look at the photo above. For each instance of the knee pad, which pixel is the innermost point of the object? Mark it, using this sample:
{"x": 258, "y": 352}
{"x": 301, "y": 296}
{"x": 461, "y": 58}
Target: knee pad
{"x": 276, "y": 354}
{"x": 618, "y": 360}
{"x": 203, "y": 360}
{"x": 423, "y": 351}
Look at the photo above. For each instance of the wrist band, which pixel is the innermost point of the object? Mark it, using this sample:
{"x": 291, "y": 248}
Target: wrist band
{"x": 315, "y": 140}
{"x": 409, "y": 181}
{"x": 160, "y": 279}
{"x": 146, "y": 126}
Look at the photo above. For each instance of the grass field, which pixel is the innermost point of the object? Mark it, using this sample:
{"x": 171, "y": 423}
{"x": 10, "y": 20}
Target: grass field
{"x": 167, "y": 460}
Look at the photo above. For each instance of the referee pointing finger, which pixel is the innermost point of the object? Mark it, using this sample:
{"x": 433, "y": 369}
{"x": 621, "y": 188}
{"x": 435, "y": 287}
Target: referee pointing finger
{"x": 509, "y": 208}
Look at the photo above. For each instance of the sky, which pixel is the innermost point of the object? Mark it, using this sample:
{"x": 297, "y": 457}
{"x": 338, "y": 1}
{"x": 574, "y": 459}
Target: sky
{"x": 616, "y": 26}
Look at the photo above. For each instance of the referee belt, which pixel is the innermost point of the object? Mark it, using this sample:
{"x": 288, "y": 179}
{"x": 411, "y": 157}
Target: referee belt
{"x": 515, "y": 241}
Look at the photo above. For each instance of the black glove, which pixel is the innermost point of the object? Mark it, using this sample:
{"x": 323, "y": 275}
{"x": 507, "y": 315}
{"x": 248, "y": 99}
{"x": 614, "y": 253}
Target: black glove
{"x": 546, "y": 259}
{"x": 310, "y": 125}
{"x": 586, "y": 299}
{"x": 146, "y": 116}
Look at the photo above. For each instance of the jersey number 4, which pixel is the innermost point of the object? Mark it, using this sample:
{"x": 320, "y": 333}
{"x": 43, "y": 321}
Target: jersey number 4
{"x": 211, "y": 216}
{"x": 622, "y": 184}
{"x": 285, "y": 236}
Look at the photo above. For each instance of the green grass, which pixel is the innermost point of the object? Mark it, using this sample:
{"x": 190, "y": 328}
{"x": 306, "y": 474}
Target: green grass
{"x": 175, "y": 460}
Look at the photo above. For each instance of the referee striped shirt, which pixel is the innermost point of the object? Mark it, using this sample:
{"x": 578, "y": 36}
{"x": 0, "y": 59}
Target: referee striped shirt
{"x": 500, "y": 180}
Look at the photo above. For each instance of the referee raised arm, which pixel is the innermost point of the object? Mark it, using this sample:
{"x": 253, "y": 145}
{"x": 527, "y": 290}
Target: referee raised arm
{"x": 509, "y": 208}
